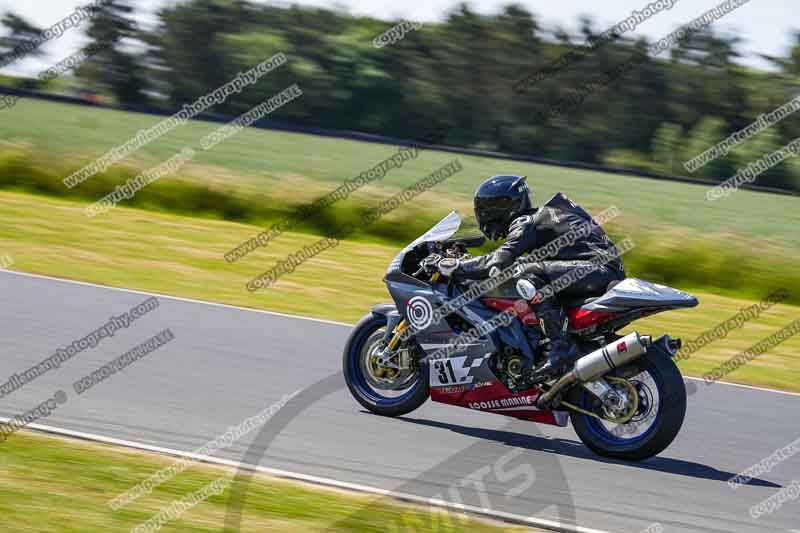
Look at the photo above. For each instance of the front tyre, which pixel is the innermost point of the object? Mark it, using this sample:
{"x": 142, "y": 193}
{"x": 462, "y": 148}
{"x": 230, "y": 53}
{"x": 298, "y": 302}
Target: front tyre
{"x": 659, "y": 416}
{"x": 386, "y": 392}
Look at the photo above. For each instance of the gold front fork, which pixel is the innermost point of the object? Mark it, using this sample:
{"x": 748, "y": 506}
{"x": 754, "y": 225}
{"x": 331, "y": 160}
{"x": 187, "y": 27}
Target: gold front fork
{"x": 398, "y": 334}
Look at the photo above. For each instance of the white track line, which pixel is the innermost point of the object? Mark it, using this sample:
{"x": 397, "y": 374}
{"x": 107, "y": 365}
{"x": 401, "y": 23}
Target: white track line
{"x": 511, "y": 518}
{"x": 747, "y": 387}
{"x": 298, "y": 317}
{"x": 177, "y": 298}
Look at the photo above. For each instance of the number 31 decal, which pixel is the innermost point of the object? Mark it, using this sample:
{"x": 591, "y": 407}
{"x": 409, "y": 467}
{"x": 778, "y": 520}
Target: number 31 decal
{"x": 448, "y": 372}
{"x": 443, "y": 367}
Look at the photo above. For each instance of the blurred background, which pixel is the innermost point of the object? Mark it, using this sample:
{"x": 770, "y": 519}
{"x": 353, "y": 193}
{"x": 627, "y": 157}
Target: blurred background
{"x": 457, "y": 73}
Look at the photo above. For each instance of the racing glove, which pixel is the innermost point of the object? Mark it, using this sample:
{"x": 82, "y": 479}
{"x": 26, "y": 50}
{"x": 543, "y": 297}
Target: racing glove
{"x": 448, "y": 265}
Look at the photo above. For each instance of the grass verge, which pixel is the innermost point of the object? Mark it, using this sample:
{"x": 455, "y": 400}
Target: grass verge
{"x": 182, "y": 256}
{"x": 55, "y": 485}
{"x": 733, "y": 246}
{"x": 285, "y": 168}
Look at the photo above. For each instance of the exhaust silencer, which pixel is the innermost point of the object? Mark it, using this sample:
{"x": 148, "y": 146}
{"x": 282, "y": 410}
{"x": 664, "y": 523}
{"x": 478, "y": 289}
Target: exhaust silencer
{"x": 600, "y": 362}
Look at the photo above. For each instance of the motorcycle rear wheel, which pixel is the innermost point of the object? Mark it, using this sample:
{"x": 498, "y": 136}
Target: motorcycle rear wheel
{"x": 662, "y": 393}
{"x": 378, "y": 400}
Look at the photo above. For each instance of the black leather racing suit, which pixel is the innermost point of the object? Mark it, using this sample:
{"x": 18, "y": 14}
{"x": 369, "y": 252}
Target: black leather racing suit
{"x": 533, "y": 231}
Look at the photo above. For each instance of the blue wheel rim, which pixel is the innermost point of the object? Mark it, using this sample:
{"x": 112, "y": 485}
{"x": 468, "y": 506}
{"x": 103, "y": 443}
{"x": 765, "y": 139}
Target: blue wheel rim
{"x": 599, "y": 431}
{"x": 359, "y": 381}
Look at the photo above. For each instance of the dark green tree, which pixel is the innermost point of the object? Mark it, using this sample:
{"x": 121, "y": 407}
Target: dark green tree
{"x": 21, "y": 35}
{"x": 114, "y": 66}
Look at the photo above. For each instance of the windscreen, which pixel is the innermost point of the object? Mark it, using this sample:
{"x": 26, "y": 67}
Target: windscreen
{"x": 441, "y": 231}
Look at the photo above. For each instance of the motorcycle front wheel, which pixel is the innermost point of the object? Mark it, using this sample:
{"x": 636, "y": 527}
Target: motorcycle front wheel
{"x": 383, "y": 391}
{"x": 657, "y": 421}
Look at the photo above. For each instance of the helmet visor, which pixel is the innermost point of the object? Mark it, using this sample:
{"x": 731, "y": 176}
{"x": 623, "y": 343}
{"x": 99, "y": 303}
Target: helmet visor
{"x": 494, "y": 214}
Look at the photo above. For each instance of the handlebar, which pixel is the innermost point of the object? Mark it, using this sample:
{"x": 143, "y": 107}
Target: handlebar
{"x": 456, "y": 250}
{"x": 434, "y": 277}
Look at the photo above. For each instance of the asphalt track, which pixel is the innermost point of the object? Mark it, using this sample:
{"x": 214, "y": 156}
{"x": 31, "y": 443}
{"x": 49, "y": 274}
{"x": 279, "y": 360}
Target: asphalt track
{"x": 226, "y": 364}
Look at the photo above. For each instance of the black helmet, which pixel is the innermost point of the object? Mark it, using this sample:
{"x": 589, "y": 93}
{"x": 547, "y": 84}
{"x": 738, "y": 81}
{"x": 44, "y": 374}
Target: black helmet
{"x": 498, "y": 201}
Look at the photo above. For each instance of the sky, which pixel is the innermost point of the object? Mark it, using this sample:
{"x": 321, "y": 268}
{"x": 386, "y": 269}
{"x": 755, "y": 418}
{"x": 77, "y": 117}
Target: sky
{"x": 765, "y": 26}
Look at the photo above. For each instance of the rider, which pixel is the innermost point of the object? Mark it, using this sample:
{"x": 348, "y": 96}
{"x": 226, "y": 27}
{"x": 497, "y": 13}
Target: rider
{"x": 503, "y": 209}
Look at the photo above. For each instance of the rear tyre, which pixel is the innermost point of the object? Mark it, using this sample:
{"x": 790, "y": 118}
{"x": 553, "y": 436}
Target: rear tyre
{"x": 380, "y": 397}
{"x": 662, "y": 397}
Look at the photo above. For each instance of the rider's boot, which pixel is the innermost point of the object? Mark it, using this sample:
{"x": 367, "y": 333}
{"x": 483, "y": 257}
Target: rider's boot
{"x": 562, "y": 351}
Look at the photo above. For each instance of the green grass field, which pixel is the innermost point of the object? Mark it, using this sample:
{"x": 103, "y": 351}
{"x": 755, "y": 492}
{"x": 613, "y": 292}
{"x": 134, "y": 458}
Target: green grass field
{"x": 181, "y": 256}
{"x": 54, "y": 485}
{"x": 286, "y": 168}
{"x": 745, "y": 246}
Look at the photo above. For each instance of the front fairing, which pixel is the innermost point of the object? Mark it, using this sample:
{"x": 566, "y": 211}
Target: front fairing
{"x": 441, "y": 231}
{"x": 424, "y": 297}
{"x": 404, "y": 287}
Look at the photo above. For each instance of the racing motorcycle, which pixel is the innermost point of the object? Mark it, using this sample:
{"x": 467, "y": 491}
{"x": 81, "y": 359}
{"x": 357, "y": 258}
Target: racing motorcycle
{"x": 624, "y": 395}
